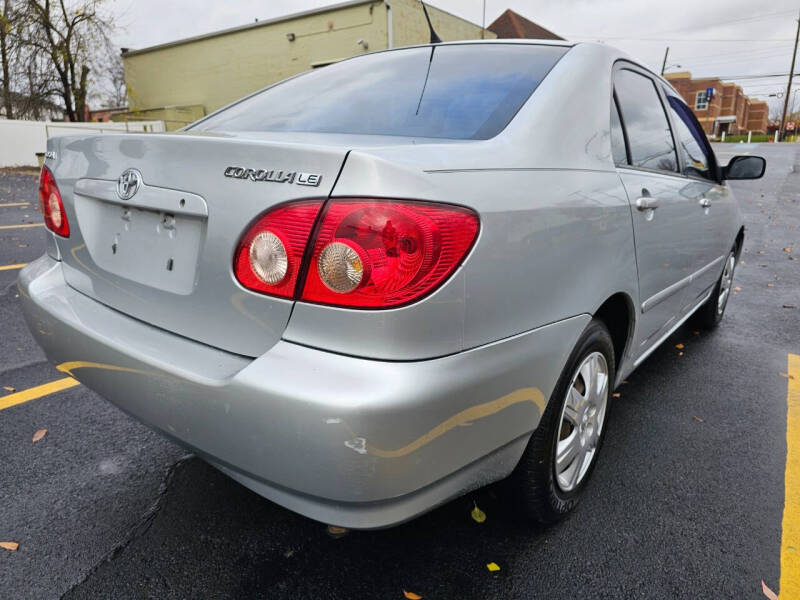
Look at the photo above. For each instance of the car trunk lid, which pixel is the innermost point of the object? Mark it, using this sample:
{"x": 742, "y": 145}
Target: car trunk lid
{"x": 164, "y": 253}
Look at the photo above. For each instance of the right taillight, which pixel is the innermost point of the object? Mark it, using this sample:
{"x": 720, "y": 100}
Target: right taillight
{"x": 365, "y": 253}
{"x": 384, "y": 253}
{"x": 55, "y": 219}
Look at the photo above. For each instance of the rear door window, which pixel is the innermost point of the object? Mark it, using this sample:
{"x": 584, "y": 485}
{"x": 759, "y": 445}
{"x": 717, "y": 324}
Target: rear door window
{"x": 467, "y": 91}
{"x": 692, "y": 147}
{"x": 646, "y": 125}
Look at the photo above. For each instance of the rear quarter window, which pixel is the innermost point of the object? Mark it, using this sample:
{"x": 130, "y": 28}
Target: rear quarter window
{"x": 459, "y": 92}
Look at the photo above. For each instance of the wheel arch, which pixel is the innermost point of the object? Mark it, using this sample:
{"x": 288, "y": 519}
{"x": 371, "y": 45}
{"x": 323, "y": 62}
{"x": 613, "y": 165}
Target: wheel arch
{"x": 618, "y": 315}
{"x": 739, "y": 243}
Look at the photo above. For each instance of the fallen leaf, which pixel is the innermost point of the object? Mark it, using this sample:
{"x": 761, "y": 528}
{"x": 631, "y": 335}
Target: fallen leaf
{"x": 22, "y": 245}
{"x": 9, "y": 545}
{"x": 789, "y": 306}
{"x": 787, "y": 249}
{"x": 493, "y": 567}
{"x": 477, "y": 514}
{"x": 39, "y": 435}
{"x": 9, "y": 388}
{"x": 768, "y": 592}
{"x": 679, "y": 346}
{"x": 411, "y": 595}
{"x": 616, "y": 395}
{"x": 698, "y": 419}
{"x": 336, "y": 532}
{"x": 761, "y": 252}
{"x": 787, "y": 376}
{"x": 770, "y": 285}
{"x": 737, "y": 289}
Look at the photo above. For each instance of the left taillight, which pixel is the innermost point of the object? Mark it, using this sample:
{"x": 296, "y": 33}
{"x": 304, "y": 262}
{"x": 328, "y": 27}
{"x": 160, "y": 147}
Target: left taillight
{"x": 55, "y": 219}
{"x": 270, "y": 253}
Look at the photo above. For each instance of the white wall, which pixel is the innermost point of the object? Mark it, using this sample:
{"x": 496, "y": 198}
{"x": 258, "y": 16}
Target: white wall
{"x": 21, "y": 140}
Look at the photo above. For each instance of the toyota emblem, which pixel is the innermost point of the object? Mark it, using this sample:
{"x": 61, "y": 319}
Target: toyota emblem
{"x": 129, "y": 183}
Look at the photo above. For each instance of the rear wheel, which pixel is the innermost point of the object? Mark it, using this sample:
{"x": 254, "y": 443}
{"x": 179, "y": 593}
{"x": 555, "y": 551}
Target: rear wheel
{"x": 710, "y": 314}
{"x": 563, "y": 450}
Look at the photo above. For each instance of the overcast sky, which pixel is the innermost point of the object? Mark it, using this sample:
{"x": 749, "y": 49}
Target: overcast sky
{"x": 762, "y": 32}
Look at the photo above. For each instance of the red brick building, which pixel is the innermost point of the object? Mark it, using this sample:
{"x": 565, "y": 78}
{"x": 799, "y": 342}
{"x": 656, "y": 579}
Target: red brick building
{"x": 514, "y": 25}
{"x": 103, "y": 115}
{"x": 729, "y": 110}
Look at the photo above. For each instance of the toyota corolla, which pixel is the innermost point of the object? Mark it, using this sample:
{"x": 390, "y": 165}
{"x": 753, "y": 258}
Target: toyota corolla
{"x": 374, "y": 287}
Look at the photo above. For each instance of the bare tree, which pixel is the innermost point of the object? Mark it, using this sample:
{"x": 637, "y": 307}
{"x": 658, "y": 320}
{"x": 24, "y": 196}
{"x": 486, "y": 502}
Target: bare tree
{"x": 111, "y": 89}
{"x": 75, "y": 37}
{"x": 775, "y": 109}
{"x": 38, "y": 86}
{"x": 9, "y": 52}
{"x": 27, "y": 78}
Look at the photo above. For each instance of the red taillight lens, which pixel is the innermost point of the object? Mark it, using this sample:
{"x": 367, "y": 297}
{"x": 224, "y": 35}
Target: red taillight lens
{"x": 270, "y": 254}
{"x": 55, "y": 219}
{"x": 379, "y": 254}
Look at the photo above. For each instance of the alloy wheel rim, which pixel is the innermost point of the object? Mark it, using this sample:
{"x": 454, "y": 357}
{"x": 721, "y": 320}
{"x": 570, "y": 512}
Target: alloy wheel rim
{"x": 581, "y": 423}
{"x": 725, "y": 284}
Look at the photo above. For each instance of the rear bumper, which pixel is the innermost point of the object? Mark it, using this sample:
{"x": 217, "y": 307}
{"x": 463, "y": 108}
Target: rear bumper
{"x": 344, "y": 440}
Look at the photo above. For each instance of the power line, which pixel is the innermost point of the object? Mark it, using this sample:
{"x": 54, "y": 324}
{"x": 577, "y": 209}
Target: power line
{"x": 769, "y": 87}
{"x": 690, "y": 40}
{"x": 706, "y": 67}
{"x": 755, "y": 54}
{"x": 742, "y": 52}
{"x": 743, "y": 77}
{"x": 746, "y": 77}
{"x": 726, "y": 64}
{"x": 720, "y": 23}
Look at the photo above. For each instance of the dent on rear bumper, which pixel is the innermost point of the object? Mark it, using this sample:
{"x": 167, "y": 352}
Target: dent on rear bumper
{"x": 352, "y": 441}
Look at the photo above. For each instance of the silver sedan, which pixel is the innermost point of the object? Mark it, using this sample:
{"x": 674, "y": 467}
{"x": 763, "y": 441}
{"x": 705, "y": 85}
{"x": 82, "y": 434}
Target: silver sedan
{"x": 374, "y": 287}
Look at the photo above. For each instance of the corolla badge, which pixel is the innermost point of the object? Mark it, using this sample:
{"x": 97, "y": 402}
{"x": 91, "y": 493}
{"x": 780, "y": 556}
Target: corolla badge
{"x": 129, "y": 183}
{"x": 274, "y": 175}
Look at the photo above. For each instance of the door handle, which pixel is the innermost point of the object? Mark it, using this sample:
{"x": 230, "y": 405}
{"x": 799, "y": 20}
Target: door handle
{"x": 705, "y": 202}
{"x": 647, "y": 203}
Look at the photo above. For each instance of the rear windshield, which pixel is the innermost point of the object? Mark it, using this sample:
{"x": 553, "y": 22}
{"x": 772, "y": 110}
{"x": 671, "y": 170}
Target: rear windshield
{"x": 459, "y": 92}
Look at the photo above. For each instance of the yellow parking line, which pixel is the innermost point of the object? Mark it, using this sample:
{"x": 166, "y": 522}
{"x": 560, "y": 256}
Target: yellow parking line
{"x": 4, "y": 204}
{"x": 11, "y": 267}
{"x": 37, "y": 392}
{"x": 790, "y": 540}
{"x": 25, "y": 226}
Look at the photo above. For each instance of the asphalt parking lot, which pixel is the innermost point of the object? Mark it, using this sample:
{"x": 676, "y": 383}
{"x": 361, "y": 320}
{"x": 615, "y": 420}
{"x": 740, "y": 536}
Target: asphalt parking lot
{"x": 687, "y": 500}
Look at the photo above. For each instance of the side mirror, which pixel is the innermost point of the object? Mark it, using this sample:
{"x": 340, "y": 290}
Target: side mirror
{"x": 744, "y": 167}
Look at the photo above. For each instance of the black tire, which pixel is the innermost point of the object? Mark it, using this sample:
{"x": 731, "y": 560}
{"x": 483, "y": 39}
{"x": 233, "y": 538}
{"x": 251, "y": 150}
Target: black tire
{"x": 710, "y": 314}
{"x": 534, "y": 481}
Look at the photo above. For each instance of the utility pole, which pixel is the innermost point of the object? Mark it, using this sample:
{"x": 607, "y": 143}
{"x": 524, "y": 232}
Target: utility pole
{"x": 789, "y": 86}
{"x": 664, "y": 64}
{"x": 483, "y": 20}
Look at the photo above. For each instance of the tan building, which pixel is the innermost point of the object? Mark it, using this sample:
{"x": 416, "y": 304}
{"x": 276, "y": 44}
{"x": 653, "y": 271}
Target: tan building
{"x": 729, "y": 110}
{"x": 181, "y": 81}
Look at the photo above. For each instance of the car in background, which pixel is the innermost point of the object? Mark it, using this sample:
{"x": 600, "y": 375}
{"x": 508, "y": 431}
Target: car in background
{"x": 374, "y": 287}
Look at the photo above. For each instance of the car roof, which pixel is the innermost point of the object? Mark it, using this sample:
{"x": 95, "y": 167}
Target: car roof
{"x": 504, "y": 41}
